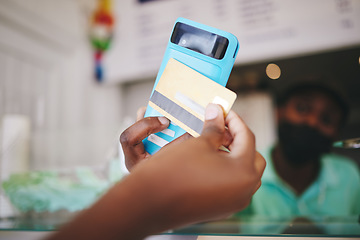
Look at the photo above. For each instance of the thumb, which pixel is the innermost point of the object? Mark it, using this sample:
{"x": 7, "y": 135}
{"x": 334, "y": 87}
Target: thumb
{"x": 214, "y": 125}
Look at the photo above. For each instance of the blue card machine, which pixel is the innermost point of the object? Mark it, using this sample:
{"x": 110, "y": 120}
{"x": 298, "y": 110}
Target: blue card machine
{"x": 207, "y": 50}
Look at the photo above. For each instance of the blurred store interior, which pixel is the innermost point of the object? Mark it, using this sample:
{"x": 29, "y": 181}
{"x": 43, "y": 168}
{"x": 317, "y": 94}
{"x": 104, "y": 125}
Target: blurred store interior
{"x": 57, "y": 115}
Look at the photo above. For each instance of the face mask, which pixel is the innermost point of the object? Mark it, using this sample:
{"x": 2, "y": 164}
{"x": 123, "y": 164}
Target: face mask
{"x": 301, "y": 143}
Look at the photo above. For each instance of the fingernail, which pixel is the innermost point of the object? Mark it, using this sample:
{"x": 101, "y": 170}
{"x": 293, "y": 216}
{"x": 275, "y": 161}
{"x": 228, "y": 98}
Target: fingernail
{"x": 164, "y": 120}
{"x": 211, "y": 112}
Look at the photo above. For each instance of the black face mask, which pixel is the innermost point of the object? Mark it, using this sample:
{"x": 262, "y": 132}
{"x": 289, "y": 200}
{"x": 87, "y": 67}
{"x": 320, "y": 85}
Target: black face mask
{"x": 301, "y": 143}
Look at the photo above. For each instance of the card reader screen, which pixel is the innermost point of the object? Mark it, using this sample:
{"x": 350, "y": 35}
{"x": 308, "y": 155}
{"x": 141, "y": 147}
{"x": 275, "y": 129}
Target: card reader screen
{"x": 199, "y": 40}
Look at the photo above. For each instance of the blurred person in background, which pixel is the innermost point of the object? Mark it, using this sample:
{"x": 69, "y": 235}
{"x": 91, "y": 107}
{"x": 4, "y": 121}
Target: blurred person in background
{"x": 303, "y": 177}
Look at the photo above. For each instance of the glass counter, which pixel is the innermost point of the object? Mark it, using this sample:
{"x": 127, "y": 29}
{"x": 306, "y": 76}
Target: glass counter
{"x": 40, "y": 199}
{"x": 236, "y": 228}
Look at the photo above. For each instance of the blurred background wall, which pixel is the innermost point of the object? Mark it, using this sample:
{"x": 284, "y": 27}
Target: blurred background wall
{"x": 47, "y": 65}
{"x": 46, "y": 76}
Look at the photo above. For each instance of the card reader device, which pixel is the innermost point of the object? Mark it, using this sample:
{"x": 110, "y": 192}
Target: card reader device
{"x": 206, "y": 50}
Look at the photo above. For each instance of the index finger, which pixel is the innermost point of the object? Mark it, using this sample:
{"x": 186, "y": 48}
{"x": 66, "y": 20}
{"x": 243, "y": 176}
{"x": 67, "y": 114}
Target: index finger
{"x": 243, "y": 139}
{"x": 131, "y": 138}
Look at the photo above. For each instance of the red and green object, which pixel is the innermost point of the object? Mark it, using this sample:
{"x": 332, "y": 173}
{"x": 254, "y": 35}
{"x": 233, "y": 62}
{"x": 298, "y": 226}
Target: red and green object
{"x": 101, "y": 34}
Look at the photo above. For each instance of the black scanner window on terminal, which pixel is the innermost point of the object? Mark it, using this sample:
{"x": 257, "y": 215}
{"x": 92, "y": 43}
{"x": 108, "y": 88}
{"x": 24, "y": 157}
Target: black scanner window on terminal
{"x": 199, "y": 40}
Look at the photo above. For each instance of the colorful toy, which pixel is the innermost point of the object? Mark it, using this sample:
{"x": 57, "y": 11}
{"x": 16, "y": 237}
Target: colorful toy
{"x": 101, "y": 34}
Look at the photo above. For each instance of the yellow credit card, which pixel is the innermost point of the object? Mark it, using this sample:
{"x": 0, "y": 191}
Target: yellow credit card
{"x": 182, "y": 95}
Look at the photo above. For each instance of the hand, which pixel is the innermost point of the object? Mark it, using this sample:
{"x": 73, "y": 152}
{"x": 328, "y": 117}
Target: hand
{"x": 183, "y": 183}
{"x": 131, "y": 138}
{"x": 193, "y": 181}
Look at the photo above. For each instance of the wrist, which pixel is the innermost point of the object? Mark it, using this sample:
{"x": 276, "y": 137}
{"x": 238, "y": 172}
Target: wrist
{"x": 140, "y": 206}
{"x": 133, "y": 207}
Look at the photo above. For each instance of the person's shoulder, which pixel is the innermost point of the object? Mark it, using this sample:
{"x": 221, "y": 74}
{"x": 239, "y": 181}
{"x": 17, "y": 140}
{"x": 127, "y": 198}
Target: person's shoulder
{"x": 341, "y": 164}
{"x": 340, "y": 160}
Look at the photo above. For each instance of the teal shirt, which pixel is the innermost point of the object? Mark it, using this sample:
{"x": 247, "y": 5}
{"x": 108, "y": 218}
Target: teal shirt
{"x": 336, "y": 192}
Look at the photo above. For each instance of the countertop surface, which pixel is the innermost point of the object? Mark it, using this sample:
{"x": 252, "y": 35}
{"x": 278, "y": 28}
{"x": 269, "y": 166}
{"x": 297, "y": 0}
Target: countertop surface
{"x": 37, "y": 226}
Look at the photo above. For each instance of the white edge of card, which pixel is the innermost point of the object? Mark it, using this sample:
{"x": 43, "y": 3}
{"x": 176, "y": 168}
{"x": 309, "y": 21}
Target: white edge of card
{"x": 221, "y": 101}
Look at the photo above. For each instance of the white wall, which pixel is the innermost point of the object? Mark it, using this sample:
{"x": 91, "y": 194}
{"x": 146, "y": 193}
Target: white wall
{"x": 136, "y": 95}
{"x": 46, "y": 75}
